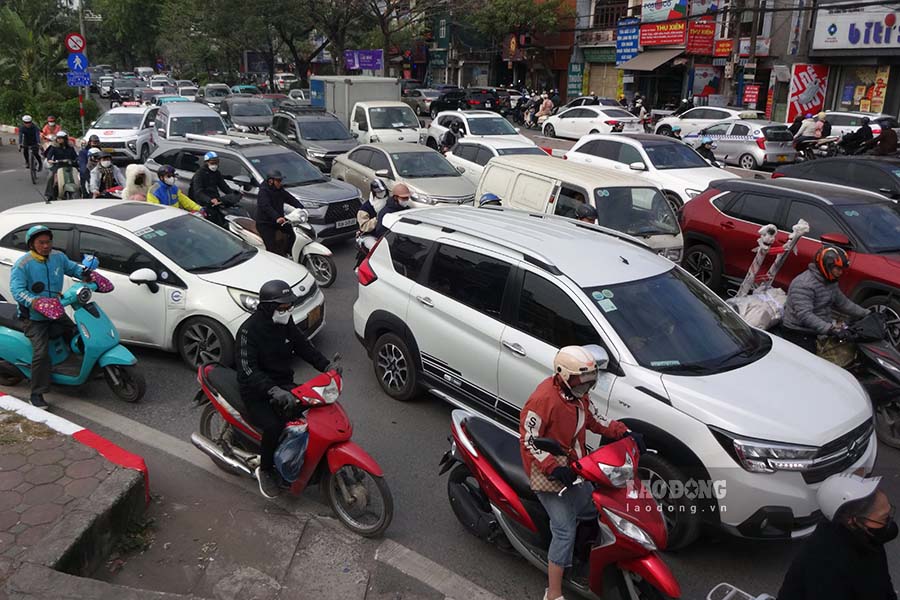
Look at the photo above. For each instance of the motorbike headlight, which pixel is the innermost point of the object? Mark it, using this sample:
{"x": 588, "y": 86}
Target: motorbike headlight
{"x": 330, "y": 393}
{"x": 760, "y": 456}
{"x": 691, "y": 193}
{"x": 246, "y": 300}
{"x": 673, "y": 254}
{"x": 630, "y": 530}
{"x": 621, "y": 475}
{"x": 420, "y": 197}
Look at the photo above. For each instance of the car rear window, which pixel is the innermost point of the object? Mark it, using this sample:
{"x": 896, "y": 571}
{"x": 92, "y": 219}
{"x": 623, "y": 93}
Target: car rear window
{"x": 777, "y": 134}
{"x": 408, "y": 254}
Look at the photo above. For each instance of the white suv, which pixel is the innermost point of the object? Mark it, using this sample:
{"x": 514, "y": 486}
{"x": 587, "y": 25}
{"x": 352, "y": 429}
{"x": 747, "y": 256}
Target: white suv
{"x": 475, "y": 124}
{"x": 472, "y": 304}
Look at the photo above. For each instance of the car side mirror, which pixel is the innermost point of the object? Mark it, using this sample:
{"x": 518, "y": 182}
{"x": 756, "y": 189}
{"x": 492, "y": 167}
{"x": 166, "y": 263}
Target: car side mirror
{"x": 146, "y": 277}
{"x": 836, "y": 239}
{"x": 244, "y": 182}
{"x": 461, "y": 169}
{"x": 383, "y": 173}
{"x": 355, "y": 134}
{"x": 161, "y": 132}
{"x": 637, "y": 166}
{"x": 546, "y": 445}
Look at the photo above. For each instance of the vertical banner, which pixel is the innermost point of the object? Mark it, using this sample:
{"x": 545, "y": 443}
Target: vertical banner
{"x": 751, "y": 95}
{"x": 880, "y": 88}
{"x": 808, "y": 86}
{"x": 770, "y": 95}
{"x": 701, "y": 35}
{"x": 627, "y": 33}
{"x": 574, "y": 81}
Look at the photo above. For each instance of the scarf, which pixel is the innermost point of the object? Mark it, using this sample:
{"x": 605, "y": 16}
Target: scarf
{"x": 37, "y": 256}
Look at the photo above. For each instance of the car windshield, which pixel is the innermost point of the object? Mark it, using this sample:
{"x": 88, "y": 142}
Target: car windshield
{"x": 674, "y": 324}
{"x": 201, "y": 125}
{"x": 196, "y": 245}
{"x": 251, "y": 109}
{"x": 491, "y": 126}
{"x": 248, "y": 89}
{"x": 323, "y": 130}
{"x": 119, "y": 121}
{"x": 430, "y": 93}
{"x": 525, "y": 150}
{"x": 877, "y": 224}
{"x": 295, "y": 169}
{"x": 673, "y": 156}
{"x": 641, "y": 212}
{"x": 187, "y": 91}
{"x": 393, "y": 117}
{"x": 415, "y": 165}
{"x": 124, "y": 83}
{"x": 217, "y": 92}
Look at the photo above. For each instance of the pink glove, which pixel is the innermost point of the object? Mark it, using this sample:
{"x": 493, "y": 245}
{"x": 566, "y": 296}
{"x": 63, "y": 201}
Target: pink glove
{"x": 104, "y": 285}
{"x": 49, "y": 307}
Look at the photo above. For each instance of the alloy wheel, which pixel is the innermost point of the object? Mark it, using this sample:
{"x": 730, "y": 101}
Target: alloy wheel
{"x": 667, "y": 509}
{"x": 699, "y": 265}
{"x": 202, "y": 344}
{"x": 392, "y": 366}
{"x": 892, "y": 322}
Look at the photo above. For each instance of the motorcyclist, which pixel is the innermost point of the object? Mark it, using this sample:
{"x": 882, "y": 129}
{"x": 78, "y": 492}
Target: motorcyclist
{"x": 398, "y": 201}
{"x": 137, "y": 183}
{"x": 451, "y": 136}
{"x": 36, "y": 278}
{"x": 29, "y": 139}
{"x": 270, "y": 213}
{"x": 853, "y": 140}
{"x": 92, "y": 142}
{"x": 560, "y": 409}
{"x": 55, "y": 154}
{"x": 367, "y": 215}
{"x": 49, "y": 132}
{"x": 676, "y": 132}
{"x": 267, "y": 343}
{"x": 545, "y": 110}
{"x": 807, "y": 130}
{"x": 706, "y": 150}
{"x": 814, "y": 295}
{"x": 823, "y": 126}
{"x": 795, "y": 125}
{"x": 208, "y": 187}
{"x": 683, "y": 106}
{"x": 104, "y": 176}
{"x": 91, "y": 162}
{"x": 586, "y": 213}
{"x": 886, "y": 142}
{"x": 844, "y": 559}
{"x": 489, "y": 199}
{"x": 165, "y": 192}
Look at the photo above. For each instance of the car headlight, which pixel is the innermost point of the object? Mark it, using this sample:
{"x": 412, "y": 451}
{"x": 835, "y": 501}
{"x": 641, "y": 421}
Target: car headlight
{"x": 420, "y": 197}
{"x": 760, "y": 456}
{"x": 673, "y": 254}
{"x": 621, "y": 475}
{"x": 311, "y": 203}
{"x": 423, "y": 137}
{"x": 630, "y": 530}
{"x": 246, "y": 300}
{"x": 691, "y": 193}
{"x": 131, "y": 146}
{"x": 317, "y": 153}
{"x": 373, "y": 139}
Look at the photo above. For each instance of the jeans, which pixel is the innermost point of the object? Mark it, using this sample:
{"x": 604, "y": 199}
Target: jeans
{"x": 39, "y": 334}
{"x": 565, "y": 511}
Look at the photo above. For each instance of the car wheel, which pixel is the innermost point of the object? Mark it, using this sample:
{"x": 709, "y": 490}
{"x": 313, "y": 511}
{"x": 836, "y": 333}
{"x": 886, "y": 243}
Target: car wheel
{"x": 202, "y": 340}
{"x": 145, "y": 153}
{"x": 549, "y": 131}
{"x": 674, "y": 201}
{"x": 664, "y": 130}
{"x": 395, "y": 367}
{"x": 680, "y": 514}
{"x": 704, "y": 263}
{"x": 889, "y": 307}
{"x": 746, "y": 161}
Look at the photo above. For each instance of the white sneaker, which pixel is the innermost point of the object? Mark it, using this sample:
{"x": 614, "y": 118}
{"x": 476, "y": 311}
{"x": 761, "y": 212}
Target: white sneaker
{"x": 546, "y": 597}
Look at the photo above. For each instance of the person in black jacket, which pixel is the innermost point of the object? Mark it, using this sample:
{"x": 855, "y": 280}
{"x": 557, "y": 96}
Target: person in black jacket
{"x": 844, "y": 559}
{"x": 397, "y": 202}
{"x": 267, "y": 343}
{"x": 270, "y": 213}
{"x": 208, "y": 188}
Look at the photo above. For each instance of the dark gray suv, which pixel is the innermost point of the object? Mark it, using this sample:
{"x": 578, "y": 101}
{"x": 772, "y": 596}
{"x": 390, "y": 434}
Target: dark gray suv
{"x": 313, "y": 133}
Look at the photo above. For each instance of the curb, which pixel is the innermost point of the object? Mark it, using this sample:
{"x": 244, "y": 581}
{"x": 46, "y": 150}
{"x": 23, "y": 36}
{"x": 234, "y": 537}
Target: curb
{"x": 557, "y": 152}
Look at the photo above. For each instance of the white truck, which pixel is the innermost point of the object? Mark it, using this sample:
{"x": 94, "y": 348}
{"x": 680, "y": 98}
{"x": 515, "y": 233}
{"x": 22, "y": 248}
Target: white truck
{"x": 369, "y": 106}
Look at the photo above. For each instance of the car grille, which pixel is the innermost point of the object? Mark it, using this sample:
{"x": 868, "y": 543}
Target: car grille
{"x": 304, "y": 293}
{"x": 838, "y": 455}
{"x": 454, "y": 199}
{"x": 339, "y": 211}
{"x": 112, "y": 144}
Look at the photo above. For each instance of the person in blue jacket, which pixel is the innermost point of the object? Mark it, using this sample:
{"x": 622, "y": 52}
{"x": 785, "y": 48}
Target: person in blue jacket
{"x": 39, "y": 274}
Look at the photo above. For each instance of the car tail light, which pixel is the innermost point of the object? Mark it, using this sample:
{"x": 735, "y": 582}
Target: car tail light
{"x": 776, "y": 175}
{"x": 876, "y": 129}
{"x": 474, "y": 102}
{"x": 611, "y": 122}
{"x": 761, "y": 142}
{"x": 364, "y": 273}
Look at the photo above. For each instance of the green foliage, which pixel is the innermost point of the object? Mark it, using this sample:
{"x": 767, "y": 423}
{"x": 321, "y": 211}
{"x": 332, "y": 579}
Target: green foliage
{"x": 15, "y": 103}
{"x": 496, "y": 18}
{"x": 31, "y": 49}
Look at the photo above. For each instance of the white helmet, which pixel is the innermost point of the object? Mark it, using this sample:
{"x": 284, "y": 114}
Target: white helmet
{"x": 27, "y": 119}
{"x": 576, "y": 368}
{"x": 838, "y": 490}
{"x": 94, "y": 151}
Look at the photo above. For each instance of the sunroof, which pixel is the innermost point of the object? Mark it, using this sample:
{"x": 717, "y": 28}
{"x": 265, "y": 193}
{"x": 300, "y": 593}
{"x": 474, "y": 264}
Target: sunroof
{"x": 127, "y": 210}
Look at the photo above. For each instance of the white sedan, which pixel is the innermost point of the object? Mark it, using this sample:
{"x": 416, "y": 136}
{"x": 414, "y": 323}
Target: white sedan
{"x": 181, "y": 283}
{"x": 583, "y": 120}
{"x": 472, "y": 154}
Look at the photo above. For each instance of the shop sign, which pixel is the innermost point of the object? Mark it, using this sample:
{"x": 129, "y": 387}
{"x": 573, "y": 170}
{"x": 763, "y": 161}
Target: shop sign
{"x": 723, "y": 47}
{"x": 654, "y": 11}
{"x": 603, "y": 54}
{"x": 701, "y": 35}
{"x": 763, "y": 45}
{"x": 807, "y": 92}
{"x": 856, "y": 28}
{"x": 751, "y": 94}
{"x": 663, "y": 34}
{"x": 511, "y": 49}
{"x": 864, "y": 88}
{"x": 701, "y": 7}
{"x": 576, "y": 72}
{"x": 438, "y": 57}
{"x": 706, "y": 80}
{"x": 627, "y": 37}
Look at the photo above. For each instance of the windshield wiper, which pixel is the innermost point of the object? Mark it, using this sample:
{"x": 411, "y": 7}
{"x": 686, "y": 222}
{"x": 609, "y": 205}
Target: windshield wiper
{"x": 227, "y": 263}
{"x": 307, "y": 182}
{"x": 675, "y": 369}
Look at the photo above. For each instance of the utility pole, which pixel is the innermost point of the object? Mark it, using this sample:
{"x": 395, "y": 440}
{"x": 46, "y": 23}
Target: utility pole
{"x": 735, "y": 58}
{"x": 754, "y": 27}
{"x": 82, "y": 92}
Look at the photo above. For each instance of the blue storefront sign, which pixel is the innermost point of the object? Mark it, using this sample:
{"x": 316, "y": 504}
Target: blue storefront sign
{"x": 627, "y": 34}
{"x": 369, "y": 60}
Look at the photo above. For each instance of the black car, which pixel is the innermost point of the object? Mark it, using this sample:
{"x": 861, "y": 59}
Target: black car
{"x": 879, "y": 174}
{"x": 317, "y": 135}
{"x": 246, "y": 114}
{"x": 469, "y": 99}
{"x": 123, "y": 90}
{"x": 212, "y": 94}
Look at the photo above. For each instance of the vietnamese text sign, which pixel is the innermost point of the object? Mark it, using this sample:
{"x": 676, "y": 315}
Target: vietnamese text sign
{"x": 723, "y": 47}
{"x": 627, "y": 35}
{"x": 78, "y": 79}
{"x": 371, "y": 60}
{"x": 865, "y": 28}
{"x": 807, "y": 93}
{"x": 663, "y": 34}
{"x": 700, "y": 37}
{"x": 576, "y": 72}
{"x": 751, "y": 94}
{"x": 654, "y": 11}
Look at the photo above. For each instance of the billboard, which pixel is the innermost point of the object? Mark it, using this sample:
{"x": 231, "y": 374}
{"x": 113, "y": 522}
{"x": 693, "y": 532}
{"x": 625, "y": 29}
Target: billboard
{"x": 861, "y": 28}
{"x": 663, "y": 34}
{"x": 808, "y": 86}
{"x": 654, "y": 11}
{"x": 701, "y": 33}
{"x": 627, "y": 35}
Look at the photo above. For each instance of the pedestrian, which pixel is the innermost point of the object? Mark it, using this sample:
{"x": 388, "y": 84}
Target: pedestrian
{"x": 270, "y": 213}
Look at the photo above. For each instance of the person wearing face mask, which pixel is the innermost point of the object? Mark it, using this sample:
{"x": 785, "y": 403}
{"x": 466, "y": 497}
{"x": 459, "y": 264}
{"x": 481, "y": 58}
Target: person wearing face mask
{"x": 137, "y": 180}
{"x": 93, "y": 160}
{"x": 84, "y": 155}
{"x": 267, "y": 343}
{"x": 208, "y": 187}
{"x": 60, "y": 155}
{"x": 367, "y": 215}
{"x": 165, "y": 192}
{"x": 844, "y": 559}
{"x": 270, "y": 213}
{"x": 398, "y": 201}
{"x": 104, "y": 176}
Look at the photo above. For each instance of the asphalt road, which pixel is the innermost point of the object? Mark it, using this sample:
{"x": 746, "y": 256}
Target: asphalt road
{"x": 408, "y": 440}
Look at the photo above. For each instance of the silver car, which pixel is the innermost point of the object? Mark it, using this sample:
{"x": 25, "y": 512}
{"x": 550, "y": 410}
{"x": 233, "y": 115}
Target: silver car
{"x": 431, "y": 178}
{"x": 420, "y": 100}
{"x": 748, "y": 143}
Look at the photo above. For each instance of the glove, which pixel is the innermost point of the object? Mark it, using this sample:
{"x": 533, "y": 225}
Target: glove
{"x": 616, "y": 429}
{"x": 639, "y": 440}
{"x": 564, "y": 475}
{"x": 51, "y": 308}
{"x": 280, "y": 397}
{"x": 841, "y": 333}
{"x": 104, "y": 285}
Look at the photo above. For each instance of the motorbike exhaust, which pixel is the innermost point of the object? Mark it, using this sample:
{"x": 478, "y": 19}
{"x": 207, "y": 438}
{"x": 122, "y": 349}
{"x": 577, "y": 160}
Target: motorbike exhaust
{"x": 210, "y": 449}
{"x": 482, "y": 524}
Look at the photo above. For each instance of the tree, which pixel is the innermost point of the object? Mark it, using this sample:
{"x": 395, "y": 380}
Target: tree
{"x": 129, "y": 31}
{"x": 337, "y": 20}
{"x": 393, "y": 17}
{"x": 31, "y": 49}
{"x": 497, "y": 18}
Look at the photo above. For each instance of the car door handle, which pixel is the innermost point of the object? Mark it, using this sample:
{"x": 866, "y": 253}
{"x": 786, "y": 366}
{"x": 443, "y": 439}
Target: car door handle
{"x": 515, "y": 348}
{"x": 6, "y": 262}
{"x": 728, "y": 225}
{"x": 426, "y": 301}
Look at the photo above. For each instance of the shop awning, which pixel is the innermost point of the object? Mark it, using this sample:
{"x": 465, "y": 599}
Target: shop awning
{"x": 649, "y": 60}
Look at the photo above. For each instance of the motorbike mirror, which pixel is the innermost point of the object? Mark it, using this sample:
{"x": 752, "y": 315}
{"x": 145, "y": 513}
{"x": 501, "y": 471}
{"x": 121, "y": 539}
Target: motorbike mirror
{"x": 145, "y": 276}
{"x": 637, "y": 166}
{"x": 836, "y": 239}
{"x": 548, "y": 445}
{"x": 382, "y": 173}
{"x": 244, "y": 182}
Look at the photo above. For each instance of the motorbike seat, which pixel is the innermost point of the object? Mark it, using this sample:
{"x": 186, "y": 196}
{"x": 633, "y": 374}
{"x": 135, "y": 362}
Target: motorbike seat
{"x": 224, "y": 380}
{"x": 501, "y": 450}
{"x": 9, "y": 316}
{"x": 248, "y": 224}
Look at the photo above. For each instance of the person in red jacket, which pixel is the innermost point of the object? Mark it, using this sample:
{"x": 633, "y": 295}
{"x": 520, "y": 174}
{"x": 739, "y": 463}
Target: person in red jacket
{"x": 560, "y": 409}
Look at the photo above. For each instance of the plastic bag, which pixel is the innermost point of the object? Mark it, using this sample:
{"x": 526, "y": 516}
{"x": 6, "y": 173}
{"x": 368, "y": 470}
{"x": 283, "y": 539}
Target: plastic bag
{"x": 763, "y": 309}
{"x": 292, "y": 450}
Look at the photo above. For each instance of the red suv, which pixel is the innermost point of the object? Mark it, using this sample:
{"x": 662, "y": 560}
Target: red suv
{"x": 721, "y": 228}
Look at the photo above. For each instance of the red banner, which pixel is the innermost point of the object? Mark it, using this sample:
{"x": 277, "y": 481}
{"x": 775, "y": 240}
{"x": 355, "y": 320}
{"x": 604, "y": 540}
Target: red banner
{"x": 808, "y": 86}
{"x": 751, "y": 94}
{"x": 770, "y": 97}
{"x": 700, "y": 36}
{"x": 662, "y": 34}
{"x": 723, "y": 47}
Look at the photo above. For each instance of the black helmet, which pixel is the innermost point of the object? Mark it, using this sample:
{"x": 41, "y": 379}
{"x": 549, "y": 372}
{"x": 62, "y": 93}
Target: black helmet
{"x": 103, "y": 155}
{"x": 274, "y": 174}
{"x": 378, "y": 189}
{"x": 94, "y": 139}
{"x": 586, "y": 211}
{"x": 455, "y": 126}
{"x": 276, "y": 292}
{"x": 865, "y": 121}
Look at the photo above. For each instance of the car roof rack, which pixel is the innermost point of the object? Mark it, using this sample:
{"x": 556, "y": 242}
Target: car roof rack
{"x": 232, "y": 138}
{"x": 300, "y": 107}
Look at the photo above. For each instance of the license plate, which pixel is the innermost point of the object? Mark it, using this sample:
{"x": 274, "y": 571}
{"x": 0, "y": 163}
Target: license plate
{"x": 345, "y": 223}
{"x": 109, "y": 150}
{"x": 487, "y": 104}
{"x": 782, "y": 158}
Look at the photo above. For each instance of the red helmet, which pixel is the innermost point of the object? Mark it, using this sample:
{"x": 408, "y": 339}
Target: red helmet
{"x": 829, "y": 257}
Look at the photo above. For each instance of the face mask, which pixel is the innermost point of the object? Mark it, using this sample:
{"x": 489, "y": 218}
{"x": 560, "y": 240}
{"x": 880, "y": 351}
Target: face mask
{"x": 281, "y": 317}
{"x": 883, "y": 535}
{"x": 105, "y": 163}
{"x": 213, "y": 168}
{"x": 168, "y": 180}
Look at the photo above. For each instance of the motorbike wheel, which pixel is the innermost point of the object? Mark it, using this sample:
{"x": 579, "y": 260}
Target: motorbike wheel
{"x": 9, "y": 375}
{"x": 213, "y": 427}
{"x": 625, "y": 585}
{"x": 126, "y": 381}
{"x": 322, "y": 267}
{"x": 680, "y": 515}
{"x": 351, "y": 493}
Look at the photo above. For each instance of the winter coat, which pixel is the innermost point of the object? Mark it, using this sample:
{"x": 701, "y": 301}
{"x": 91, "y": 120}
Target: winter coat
{"x": 367, "y": 215}
{"x": 34, "y": 277}
{"x": 206, "y": 185}
{"x": 113, "y": 177}
{"x": 392, "y": 206}
{"x": 132, "y": 190}
{"x": 170, "y": 195}
{"x": 29, "y": 136}
{"x": 811, "y": 300}
{"x": 807, "y": 128}
{"x": 270, "y": 203}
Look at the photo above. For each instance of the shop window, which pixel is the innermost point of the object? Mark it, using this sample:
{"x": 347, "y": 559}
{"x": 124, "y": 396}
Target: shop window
{"x": 606, "y": 16}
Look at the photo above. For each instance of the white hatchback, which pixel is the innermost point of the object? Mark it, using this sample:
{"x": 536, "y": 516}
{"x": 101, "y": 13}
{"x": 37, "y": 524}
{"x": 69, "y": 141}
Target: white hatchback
{"x": 182, "y": 283}
{"x": 584, "y": 120}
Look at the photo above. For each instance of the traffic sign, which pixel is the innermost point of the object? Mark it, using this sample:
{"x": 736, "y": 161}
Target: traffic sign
{"x": 78, "y": 62}
{"x": 75, "y": 42}
{"x": 78, "y": 79}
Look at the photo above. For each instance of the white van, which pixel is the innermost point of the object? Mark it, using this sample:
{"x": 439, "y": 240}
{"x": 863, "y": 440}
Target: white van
{"x": 385, "y": 122}
{"x": 550, "y": 185}
{"x": 144, "y": 73}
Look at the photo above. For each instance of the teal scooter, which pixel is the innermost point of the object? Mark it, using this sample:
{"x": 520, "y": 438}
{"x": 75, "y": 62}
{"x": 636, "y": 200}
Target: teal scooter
{"x": 95, "y": 348}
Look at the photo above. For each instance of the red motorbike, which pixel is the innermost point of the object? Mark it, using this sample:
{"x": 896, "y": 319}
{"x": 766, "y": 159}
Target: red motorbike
{"x": 616, "y": 556}
{"x": 352, "y": 480}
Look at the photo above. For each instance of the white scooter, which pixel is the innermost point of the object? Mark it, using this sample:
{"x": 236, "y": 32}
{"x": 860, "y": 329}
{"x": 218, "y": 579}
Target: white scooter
{"x": 307, "y": 251}
{"x": 726, "y": 591}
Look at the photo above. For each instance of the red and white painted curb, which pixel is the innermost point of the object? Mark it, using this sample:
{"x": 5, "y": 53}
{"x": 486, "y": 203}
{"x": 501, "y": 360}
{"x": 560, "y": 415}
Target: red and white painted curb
{"x": 111, "y": 452}
{"x": 13, "y": 134}
{"x": 557, "y": 152}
